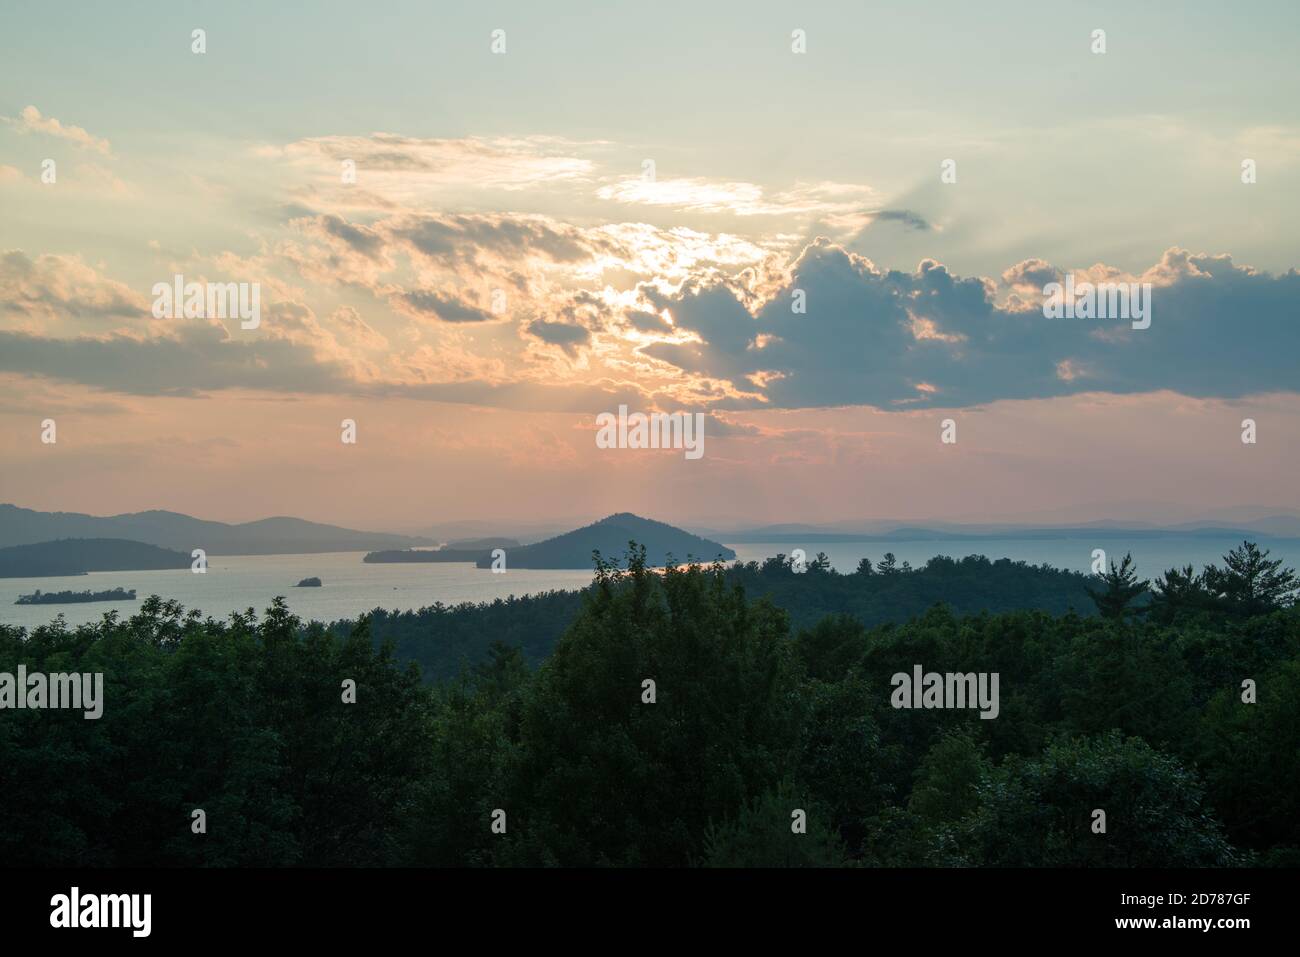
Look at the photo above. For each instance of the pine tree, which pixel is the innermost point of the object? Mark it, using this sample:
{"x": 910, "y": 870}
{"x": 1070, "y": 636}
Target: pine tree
{"x": 1122, "y": 587}
{"x": 1250, "y": 583}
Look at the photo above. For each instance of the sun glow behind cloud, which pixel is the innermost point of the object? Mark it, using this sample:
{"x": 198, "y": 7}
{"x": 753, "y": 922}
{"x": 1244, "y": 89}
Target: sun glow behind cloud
{"x": 503, "y": 249}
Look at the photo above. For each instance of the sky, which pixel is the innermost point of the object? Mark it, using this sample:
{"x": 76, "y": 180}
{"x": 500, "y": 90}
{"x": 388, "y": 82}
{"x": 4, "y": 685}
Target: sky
{"x": 474, "y": 229}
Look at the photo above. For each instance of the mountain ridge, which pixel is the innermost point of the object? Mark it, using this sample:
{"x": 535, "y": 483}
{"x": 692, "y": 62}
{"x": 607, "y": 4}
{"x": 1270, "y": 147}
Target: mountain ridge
{"x": 277, "y": 535}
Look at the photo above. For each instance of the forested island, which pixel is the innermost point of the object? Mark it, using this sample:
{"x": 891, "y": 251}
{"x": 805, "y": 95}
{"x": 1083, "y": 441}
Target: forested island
{"x": 1171, "y": 702}
{"x": 423, "y": 555}
{"x": 39, "y": 597}
{"x": 663, "y": 544}
{"x": 77, "y": 556}
{"x": 468, "y": 551}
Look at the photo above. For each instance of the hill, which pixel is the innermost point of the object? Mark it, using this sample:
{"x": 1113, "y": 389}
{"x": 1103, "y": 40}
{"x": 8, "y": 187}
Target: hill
{"x": 610, "y": 537}
{"x": 76, "y": 556}
{"x": 268, "y": 536}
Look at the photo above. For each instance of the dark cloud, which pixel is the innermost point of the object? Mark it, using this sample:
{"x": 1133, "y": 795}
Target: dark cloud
{"x": 646, "y": 321}
{"x": 457, "y": 239}
{"x": 565, "y": 335}
{"x": 363, "y": 240}
{"x": 428, "y": 304}
{"x": 907, "y": 217}
{"x": 893, "y": 339}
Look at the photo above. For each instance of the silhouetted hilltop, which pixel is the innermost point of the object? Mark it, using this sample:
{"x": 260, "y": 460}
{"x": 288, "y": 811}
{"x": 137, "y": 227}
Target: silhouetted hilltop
{"x": 268, "y": 536}
{"x": 610, "y": 537}
{"x": 76, "y": 556}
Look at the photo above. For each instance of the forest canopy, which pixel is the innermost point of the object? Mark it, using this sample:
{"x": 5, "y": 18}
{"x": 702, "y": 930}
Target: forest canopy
{"x": 1175, "y": 708}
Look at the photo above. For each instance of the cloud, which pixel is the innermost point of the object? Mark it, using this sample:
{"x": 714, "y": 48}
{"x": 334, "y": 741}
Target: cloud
{"x": 394, "y": 171}
{"x": 466, "y": 238}
{"x": 430, "y": 304}
{"x": 565, "y": 335}
{"x": 198, "y": 357}
{"x": 700, "y": 195}
{"x": 907, "y": 217}
{"x": 355, "y": 330}
{"x": 52, "y": 287}
{"x": 360, "y": 239}
{"x": 1028, "y": 277}
{"x": 892, "y": 339}
{"x": 31, "y": 121}
{"x": 718, "y": 336}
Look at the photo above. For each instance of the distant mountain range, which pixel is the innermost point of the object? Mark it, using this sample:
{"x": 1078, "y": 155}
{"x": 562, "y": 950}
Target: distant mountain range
{"x": 610, "y": 536}
{"x": 77, "y": 556}
{"x": 269, "y": 536}
{"x": 1280, "y": 526}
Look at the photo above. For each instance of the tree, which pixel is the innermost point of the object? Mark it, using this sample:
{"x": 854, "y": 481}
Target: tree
{"x": 1249, "y": 583}
{"x": 832, "y": 646}
{"x": 948, "y": 779}
{"x": 761, "y": 835}
{"x": 888, "y": 564}
{"x": 1179, "y": 592}
{"x": 1121, "y": 588}
{"x": 1042, "y": 812}
{"x": 1249, "y": 753}
{"x": 864, "y": 567}
{"x": 606, "y": 776}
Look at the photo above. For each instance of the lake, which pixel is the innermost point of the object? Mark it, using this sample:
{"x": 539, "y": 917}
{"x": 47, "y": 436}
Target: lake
{"x": 351, "y": 587}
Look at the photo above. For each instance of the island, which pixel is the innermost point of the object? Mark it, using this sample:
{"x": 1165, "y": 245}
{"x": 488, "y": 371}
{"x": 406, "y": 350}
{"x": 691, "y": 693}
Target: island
{"x": 610, "y": 536}
{"x": 39, "y": 597}
{"x": 77, "y": 556}
{"x": 308, "y": 583}
{"x": 469, "y": 551}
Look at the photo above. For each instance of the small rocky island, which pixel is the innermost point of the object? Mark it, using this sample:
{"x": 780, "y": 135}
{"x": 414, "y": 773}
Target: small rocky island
{"x": 308, "y": 583}
{"x": 39, "y": 597}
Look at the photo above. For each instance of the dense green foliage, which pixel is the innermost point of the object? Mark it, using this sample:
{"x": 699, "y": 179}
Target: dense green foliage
{"x": 1139, "y": 713}
{"x": 443, "y": 639}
